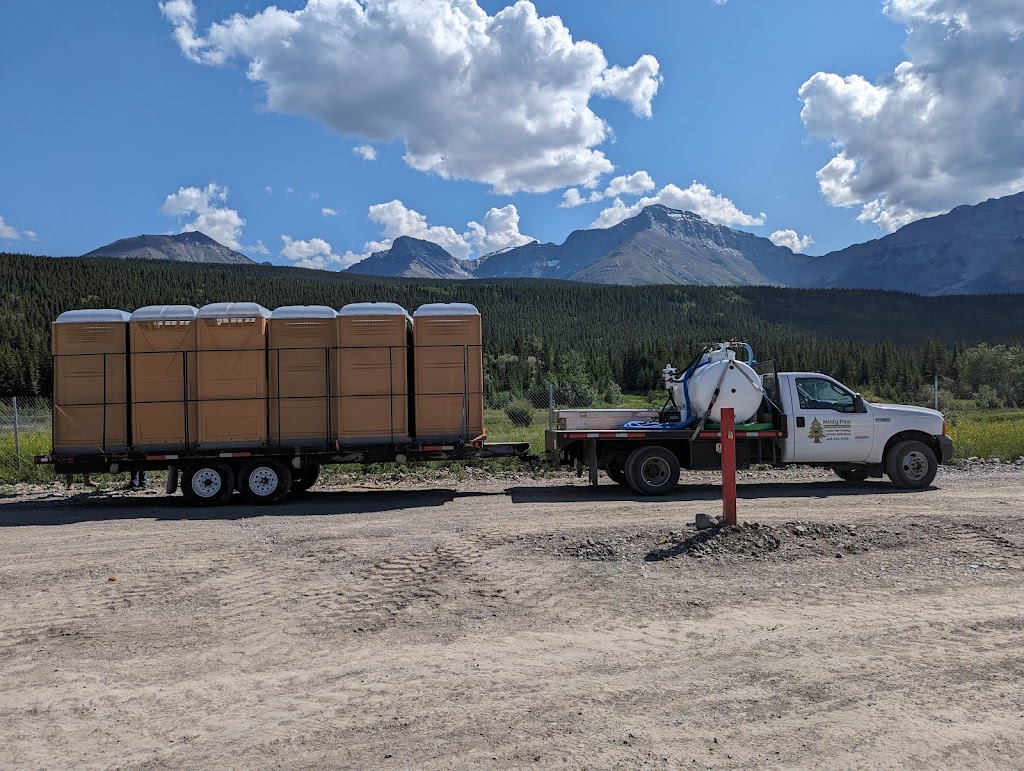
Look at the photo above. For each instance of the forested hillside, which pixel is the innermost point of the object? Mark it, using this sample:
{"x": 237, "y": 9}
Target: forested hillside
{"x": 581, "y": 337}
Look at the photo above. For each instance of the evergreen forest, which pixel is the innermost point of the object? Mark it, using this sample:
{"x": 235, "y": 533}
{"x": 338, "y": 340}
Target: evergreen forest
{"x": 591, "y": 342}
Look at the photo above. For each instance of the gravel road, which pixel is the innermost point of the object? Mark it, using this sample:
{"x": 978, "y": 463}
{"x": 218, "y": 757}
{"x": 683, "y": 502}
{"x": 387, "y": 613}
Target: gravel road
{"x": 507, "y": 621}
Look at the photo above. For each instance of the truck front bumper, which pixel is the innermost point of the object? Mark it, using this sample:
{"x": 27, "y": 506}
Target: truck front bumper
{"x": 946, "y": 445}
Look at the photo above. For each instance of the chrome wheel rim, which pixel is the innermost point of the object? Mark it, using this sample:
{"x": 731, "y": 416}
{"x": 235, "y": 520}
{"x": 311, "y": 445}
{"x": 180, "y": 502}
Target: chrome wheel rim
{"x": 206, "y": 483}
{"x": 263, "y": 481}
{"x": 915, "y": 466}
{"x": 654, "y": 471}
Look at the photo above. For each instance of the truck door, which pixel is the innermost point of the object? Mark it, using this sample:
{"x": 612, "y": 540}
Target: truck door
{"x": 824, "y": 426}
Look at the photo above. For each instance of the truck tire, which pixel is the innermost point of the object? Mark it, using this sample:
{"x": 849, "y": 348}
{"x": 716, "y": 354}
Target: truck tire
{"x": 617, "y": 475}
{"x": 652, "y": 470}
{"x": 911, "y": 465}
{"x": 305, "y": 478}
{"x": 207, "y": 483}
{"x": 264, "y": 481}
{"x": 852, "y": 472}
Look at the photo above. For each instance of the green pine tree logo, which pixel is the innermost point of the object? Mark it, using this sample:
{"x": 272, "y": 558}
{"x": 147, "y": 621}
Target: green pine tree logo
{"x": 816, "y": 433}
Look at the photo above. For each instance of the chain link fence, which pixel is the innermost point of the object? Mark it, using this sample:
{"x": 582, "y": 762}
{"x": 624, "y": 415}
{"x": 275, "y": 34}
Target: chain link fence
{"x": 25, "y": 431}
{"x": 25, "y": 425}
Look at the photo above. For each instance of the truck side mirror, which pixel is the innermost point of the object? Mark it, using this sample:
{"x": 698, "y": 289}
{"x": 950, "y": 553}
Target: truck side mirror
{"x": 858, "y": 404}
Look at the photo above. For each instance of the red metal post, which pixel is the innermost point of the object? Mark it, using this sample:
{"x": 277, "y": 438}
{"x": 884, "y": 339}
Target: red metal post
{"x": 729, "y": 465}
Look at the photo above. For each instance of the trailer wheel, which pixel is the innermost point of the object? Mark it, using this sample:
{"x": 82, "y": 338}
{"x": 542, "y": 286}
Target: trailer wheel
{"x": 652, "y": 471}
{"x": 911, "y": 465}
{"x": 207, "y": 483}
{"x": 264, "y": 481}
{"x": 306, "y": 478}
{"x": 617, "y": 475}
{"x": 852, "y": 472}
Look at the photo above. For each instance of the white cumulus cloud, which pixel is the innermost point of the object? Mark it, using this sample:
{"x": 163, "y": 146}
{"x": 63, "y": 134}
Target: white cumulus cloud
{"x": 314, "y": 253}
{"x": 630, "y": 184}
{"x": 396, "y": 219}
{"x": 697, "y": 198}
{"x": 791, "y": 239}
{"x": 327, "y": 211}
{"x": 504, "y": 100}
{"x": 9, "y": 233}
{"x": 366, "y": 152}
{"x": 499, "y": 230}
{"x": 945, "y": 128}
{"x": 209, "y": 216}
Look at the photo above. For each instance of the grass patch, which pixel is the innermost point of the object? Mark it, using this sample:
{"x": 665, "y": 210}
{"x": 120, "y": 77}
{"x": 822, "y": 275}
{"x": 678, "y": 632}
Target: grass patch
{"x": 987, "y": 433}
{"x": 19, "y": 466}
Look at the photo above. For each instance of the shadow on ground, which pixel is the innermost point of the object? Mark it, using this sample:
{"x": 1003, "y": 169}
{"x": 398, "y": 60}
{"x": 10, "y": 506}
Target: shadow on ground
{"x": 98, "y": 506}
{"x": 95, "y": 506}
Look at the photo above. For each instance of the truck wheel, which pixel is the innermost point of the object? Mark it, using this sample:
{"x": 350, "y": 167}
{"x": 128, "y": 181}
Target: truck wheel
{"x": 911, "y": 464}
{"x": 652, "y": 471}
{"x": 852, "y": 472}
{"x": 617, "y": 475}
{"x": 264, "y": 481}
{"x": 207, "y": 483}
{"x": 306, "y": 478}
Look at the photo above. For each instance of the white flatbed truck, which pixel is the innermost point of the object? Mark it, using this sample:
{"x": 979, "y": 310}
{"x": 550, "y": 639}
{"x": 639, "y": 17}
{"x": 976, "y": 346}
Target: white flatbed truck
{"x": 804, "y": 418}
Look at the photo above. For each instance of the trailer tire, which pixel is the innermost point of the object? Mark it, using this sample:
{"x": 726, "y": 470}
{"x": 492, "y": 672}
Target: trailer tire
{"x": 207, "y": 483}
{"x": 617, "y": 475}
{"x": 264, "y": 481}
{"x": 911, "y": 465}
{"x": 652, "y": 470}
{"x": 305, "y": 478}
{"x": 852, "y": 472}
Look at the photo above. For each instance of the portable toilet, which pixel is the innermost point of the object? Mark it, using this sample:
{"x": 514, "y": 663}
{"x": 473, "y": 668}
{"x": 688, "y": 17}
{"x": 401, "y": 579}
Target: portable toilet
{"x": 301, "y": 342}
{"x": 163, "y": 377}
{"x": 232, "y": 375}
{"x": 449, "y": 374}
{"x": 90, "y": 388}
{"x": 372, "y": 376}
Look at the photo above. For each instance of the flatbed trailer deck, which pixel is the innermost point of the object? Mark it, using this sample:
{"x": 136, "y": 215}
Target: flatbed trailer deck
{"x": 610, "y": 450}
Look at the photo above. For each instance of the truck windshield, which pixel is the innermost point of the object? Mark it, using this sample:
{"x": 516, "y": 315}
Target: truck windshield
{"x": 818, "y": 393}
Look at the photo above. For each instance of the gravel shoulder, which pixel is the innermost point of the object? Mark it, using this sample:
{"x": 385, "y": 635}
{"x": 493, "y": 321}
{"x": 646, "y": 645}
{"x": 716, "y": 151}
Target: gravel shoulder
{"x": 500, "y": 620}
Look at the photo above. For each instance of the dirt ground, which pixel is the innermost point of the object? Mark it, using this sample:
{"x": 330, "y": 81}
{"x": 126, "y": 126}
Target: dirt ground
{"x": 503, "y": 622}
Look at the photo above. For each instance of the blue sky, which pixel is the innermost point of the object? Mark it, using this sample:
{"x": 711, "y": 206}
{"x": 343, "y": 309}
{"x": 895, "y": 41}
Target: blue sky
{"x": 794, "y": 118}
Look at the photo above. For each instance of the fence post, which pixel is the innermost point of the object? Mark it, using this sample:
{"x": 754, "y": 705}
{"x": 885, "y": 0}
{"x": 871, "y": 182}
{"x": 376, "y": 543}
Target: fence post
{"x": 728, "y": 436}
{"x": 551, "y": 406}
{"x": 936, "y": 391}
{"x": 17, "y": 431}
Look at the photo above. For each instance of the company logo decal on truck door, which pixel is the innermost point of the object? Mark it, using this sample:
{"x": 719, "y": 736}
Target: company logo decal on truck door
{"x": 831, "y": 430}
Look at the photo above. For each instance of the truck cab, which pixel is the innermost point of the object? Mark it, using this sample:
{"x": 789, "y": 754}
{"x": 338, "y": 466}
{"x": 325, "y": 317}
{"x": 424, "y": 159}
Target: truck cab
{"x": 827, "y": 423}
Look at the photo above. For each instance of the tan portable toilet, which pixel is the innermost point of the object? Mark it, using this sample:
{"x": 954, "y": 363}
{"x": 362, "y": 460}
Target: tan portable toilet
{"x": 301, "y": 342}
{"x": 449, "y": 374}
{"x": 90, "y": 388}
{"x": 372, "y": 377}
{"x": 232, "y": 375}
{"x": 163, "y": 377}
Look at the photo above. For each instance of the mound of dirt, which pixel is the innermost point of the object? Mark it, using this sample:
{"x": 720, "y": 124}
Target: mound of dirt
{"x": 791, "y": 540}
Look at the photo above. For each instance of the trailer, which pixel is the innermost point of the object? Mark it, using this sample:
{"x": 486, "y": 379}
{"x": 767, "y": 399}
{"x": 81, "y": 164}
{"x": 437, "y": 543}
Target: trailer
{"x": 787, "y": 418}
{"x": 233, "y": 396}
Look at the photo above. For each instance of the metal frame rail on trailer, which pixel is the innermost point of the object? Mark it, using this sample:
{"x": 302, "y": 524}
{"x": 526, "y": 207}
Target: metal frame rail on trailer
{"x": 267, "y": 475}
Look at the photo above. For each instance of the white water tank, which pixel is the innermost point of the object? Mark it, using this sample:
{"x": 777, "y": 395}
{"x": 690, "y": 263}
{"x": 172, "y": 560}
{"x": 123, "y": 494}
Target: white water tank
{"x": 740, "y": 387}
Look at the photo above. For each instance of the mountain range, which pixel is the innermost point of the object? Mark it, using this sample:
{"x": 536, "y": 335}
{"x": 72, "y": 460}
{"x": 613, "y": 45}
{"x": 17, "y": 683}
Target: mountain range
{"x": 970, "y": 250}
{"x": 183, "y": 247}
